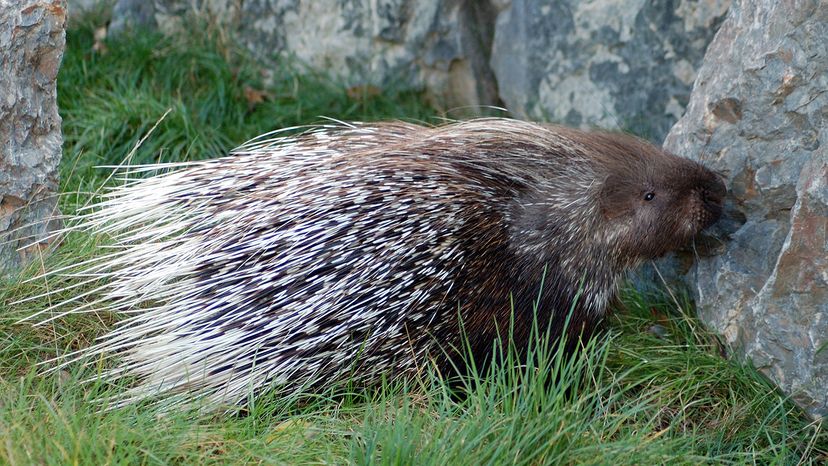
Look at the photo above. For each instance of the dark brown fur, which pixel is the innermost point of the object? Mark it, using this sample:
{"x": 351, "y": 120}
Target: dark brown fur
{"x": 502, "y": 283}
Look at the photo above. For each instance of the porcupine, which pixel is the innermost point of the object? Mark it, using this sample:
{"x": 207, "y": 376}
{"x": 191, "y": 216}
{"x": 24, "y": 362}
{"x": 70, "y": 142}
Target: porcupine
{"x": 363, "y": 250}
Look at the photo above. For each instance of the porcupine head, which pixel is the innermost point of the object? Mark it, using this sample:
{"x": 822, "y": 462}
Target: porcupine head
{"x": 610, "y": 202}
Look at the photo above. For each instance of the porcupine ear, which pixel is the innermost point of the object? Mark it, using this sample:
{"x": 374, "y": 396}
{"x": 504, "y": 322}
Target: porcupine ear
{"x": 615, "y": 199}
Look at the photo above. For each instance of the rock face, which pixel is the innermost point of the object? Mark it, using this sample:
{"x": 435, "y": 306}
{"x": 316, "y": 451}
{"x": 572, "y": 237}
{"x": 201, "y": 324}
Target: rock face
{"x": 32, "y": 40}
{"x": 759, "y": 114}
{"x": 79, "y": 8}
{"x": 609, "y": 63}
{"x": 442, "y": 46}
{"x": 605, "y": 63}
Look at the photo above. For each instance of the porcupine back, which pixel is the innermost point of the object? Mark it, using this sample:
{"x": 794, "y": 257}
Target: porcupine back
{"x": 349, "y": 251}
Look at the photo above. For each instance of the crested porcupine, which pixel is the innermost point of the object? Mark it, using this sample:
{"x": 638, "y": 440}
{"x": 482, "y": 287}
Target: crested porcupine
{"x": 361, "y": 250}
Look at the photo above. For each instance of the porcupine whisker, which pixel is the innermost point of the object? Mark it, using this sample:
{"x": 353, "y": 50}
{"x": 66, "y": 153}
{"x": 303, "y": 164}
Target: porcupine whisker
{"x": 53, "y": 292}
{"x": 58, "y": 271}
{"x": 271, "y": 133}
{"x": 149, "y": 167}
{"x": 60, "y": 315}
{"x": 693, "y": 248}
{"x": 66, "y": 359}
{"x": 96, "y": 277}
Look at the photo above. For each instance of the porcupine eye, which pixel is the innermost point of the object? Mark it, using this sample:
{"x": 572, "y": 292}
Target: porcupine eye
{"x": 649, "y": 196}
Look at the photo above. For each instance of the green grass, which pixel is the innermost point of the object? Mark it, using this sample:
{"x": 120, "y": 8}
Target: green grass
{"x": 654, "y": 389}
{"x": 110, "y": 100}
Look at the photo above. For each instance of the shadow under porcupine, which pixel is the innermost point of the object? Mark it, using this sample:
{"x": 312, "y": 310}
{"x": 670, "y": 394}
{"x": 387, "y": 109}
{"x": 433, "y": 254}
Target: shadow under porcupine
{"x": 357, "y": 250}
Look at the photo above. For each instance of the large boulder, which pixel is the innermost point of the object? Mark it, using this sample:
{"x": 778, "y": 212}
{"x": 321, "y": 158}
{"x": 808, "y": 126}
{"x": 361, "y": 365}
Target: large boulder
{"x": 609, "y": 63}
{"x": 441, "y": 46}
{"x": 759, "y": 114}
{"x": 606, "y": 63}
{"x": 32, "y": 40}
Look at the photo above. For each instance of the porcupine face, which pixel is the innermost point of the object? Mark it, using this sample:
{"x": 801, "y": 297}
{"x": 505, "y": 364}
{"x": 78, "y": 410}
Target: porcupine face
{"x": 657, "y": 202}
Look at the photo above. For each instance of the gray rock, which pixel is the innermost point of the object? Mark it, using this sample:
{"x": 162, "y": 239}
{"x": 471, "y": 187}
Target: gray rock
{"x": 606, "y": 63}
{"x": 79, "y": 8}
{"x": 759, "y": 114}
{"x": 441, "y": 46}
{"x": 32, "y": 40}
